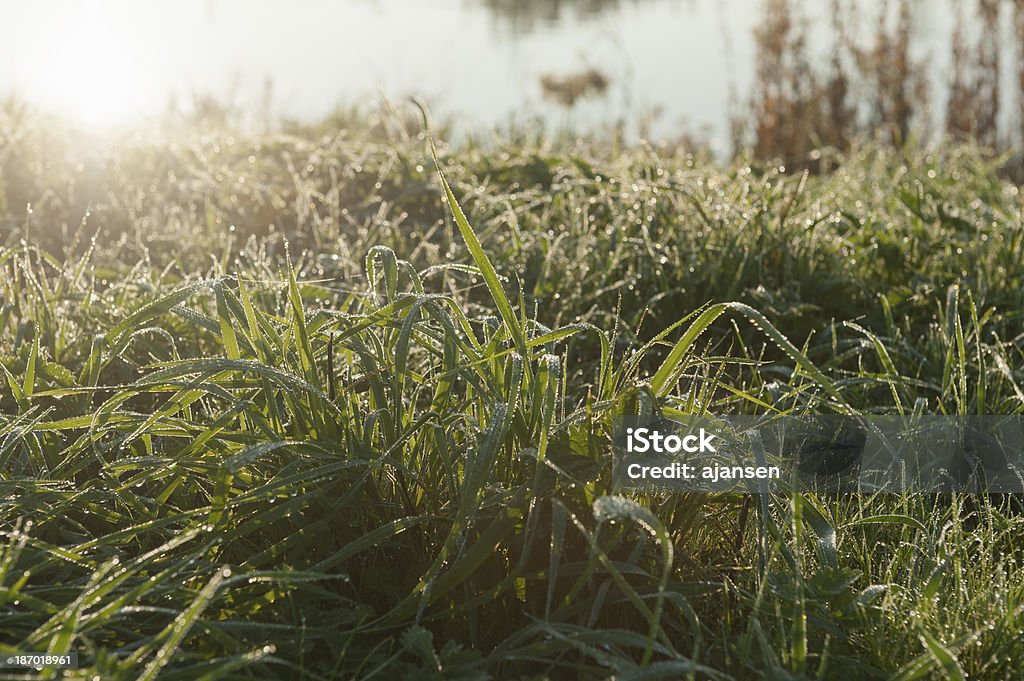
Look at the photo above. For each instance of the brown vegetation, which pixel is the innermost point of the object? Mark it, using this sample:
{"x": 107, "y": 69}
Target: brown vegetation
{"x": 876, "y": 87}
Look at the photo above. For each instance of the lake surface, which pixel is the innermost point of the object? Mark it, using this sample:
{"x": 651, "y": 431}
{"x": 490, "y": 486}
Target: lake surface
{"x": 674, "y": 63}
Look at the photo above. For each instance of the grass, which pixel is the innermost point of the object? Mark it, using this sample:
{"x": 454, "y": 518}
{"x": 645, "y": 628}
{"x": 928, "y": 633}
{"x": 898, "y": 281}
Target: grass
{"x": 304, "y": 406}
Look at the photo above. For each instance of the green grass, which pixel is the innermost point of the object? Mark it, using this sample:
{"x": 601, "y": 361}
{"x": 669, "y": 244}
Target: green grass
{"x": 278, "y": 407}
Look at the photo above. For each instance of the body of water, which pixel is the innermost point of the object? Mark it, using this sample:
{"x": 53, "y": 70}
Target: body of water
{"x": 676, "y": 64}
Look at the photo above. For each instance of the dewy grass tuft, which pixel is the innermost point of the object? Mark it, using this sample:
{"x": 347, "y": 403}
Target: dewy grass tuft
{"x": 385, "y": 450}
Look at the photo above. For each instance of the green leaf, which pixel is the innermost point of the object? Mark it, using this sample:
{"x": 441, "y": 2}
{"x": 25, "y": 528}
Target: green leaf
{"x": 483, "y": 262}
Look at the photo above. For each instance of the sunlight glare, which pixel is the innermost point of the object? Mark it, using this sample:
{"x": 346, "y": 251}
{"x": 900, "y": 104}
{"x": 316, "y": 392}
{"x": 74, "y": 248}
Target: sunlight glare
{"x": 88, "y": 70}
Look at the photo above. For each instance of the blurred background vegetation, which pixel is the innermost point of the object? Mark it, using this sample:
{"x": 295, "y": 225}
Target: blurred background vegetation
{"x": 773, "y": 78}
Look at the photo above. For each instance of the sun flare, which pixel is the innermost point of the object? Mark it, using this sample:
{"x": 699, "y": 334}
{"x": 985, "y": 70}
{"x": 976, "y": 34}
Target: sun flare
{"x": 88, "y": 70}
